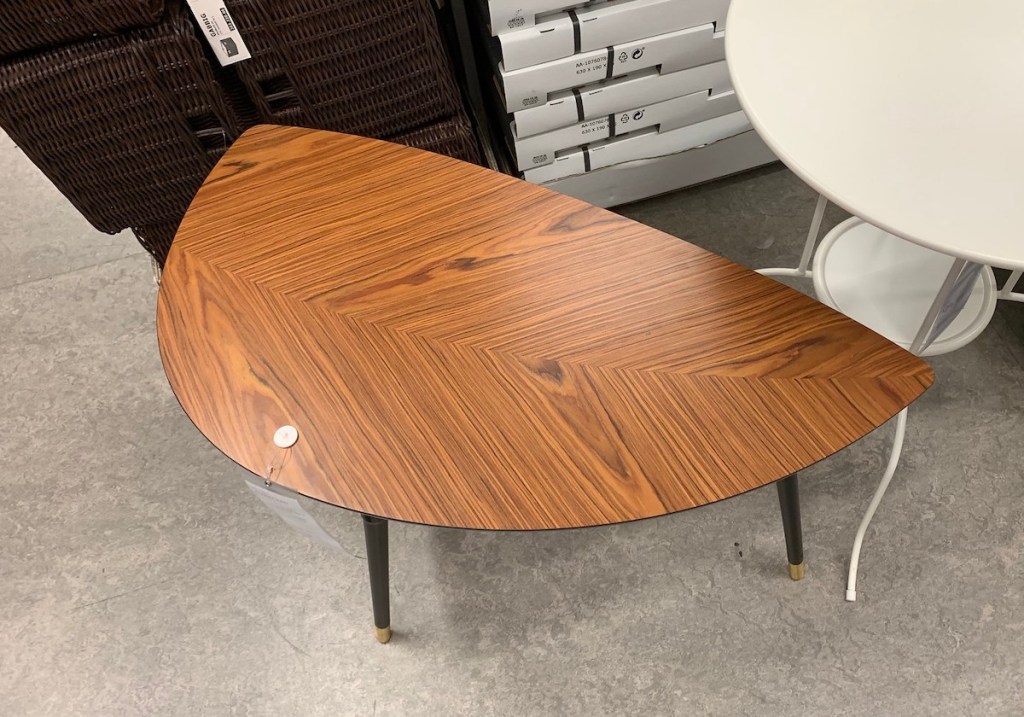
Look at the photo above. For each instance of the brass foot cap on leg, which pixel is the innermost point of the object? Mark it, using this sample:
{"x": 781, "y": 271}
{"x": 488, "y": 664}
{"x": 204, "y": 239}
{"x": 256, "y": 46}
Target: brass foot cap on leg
{"x": 383, "y": 634}
{"x": 796, "y": 572}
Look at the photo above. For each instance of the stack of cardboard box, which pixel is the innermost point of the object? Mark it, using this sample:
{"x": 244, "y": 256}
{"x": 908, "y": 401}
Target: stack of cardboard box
{"x": 593, "y": 86}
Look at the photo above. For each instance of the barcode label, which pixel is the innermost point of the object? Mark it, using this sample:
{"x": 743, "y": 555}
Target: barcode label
{"x": 219, "y": 30}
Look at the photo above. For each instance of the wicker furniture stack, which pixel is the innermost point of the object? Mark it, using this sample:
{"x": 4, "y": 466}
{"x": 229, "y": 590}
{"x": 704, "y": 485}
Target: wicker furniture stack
{"x": 121, "y": 104}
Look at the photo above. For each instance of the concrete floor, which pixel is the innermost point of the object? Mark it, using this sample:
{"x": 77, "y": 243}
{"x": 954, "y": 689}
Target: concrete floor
{"x": 139, "y": 577}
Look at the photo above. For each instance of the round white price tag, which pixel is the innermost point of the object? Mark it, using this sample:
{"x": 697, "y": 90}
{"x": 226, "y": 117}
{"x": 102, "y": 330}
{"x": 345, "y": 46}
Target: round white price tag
{"x": 286, "y": 436}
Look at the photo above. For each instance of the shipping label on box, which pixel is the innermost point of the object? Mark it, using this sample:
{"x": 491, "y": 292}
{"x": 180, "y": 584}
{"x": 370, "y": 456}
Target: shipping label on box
{"x": 645, "y": 144}
{"x": 532, "y": 86}
{"x": 542, "y": 148}
{"x": 643, "y": 178}
{"x": 651, "y": 143}
{"x": 567, "y": 165}
{"x": 605, "y": 25}
{"x": 610, "y": 96}
{"x": 510, "y": 15}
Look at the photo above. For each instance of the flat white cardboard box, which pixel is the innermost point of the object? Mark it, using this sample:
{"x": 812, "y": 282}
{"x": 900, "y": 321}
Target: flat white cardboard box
{"x": 604, "y": 25}
{"x": 509, "y": 15}
{"x": 644, "y": 144}
{"x": 641, "y": 88}
{"x": 672, "y": 51}
{"x": 568, "y": 165}
{"x": 643, "y": 178}
{"x": 541, "y": 149}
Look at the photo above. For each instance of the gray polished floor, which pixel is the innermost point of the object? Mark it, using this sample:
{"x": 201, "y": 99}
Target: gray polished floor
{"x": 139, "y": 577}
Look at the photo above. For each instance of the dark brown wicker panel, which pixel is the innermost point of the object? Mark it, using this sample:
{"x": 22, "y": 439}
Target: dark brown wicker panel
{"x": 39, "y": 24}
{"x": 375, "y": 69}
{"x": 127, "y": 127}
{"x": 453, "y": 137}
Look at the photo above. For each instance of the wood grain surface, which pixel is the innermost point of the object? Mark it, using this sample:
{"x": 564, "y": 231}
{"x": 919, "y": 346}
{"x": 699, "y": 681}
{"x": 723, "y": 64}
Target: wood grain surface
{"x": 457, "y": 347}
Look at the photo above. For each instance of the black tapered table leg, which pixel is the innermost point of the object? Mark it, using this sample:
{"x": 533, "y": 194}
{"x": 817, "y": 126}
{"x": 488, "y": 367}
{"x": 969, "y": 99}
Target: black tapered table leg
{"x": 789, "y": 500}
{"x": 376, "y": 532}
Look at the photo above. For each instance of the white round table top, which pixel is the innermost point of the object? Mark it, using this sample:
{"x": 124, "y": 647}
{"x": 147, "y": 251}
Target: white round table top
{"x": 907, "y": 113}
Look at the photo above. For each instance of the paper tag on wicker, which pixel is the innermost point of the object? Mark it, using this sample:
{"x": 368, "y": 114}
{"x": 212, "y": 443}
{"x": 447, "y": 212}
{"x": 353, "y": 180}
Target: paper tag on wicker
{"x": 289, "y": 510}
{"x": 220, "y": 31}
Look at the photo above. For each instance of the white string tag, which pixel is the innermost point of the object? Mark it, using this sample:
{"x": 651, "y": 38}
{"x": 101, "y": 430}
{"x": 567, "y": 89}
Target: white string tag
{"x": 282, "y": 501}
{"x": 288, "y": 509}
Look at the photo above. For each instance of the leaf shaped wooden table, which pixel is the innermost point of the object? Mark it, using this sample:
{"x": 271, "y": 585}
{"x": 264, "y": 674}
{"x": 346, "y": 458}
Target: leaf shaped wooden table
{"x": 459, "y": 348}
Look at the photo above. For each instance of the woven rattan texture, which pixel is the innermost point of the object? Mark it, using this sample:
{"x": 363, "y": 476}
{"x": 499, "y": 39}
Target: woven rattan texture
{"x": 453, "y": 137}
{"x": 127, "y": 127}
{"x": 39, "y": 24}
{"x": 375, "y": 69}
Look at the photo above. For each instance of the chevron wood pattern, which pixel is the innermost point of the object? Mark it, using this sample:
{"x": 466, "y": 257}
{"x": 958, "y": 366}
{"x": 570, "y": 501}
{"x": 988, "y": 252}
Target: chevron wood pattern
{"x": 460, "y": 348}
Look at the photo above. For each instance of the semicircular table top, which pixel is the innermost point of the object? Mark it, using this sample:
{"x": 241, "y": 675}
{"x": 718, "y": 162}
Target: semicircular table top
{"x": 907, "y": 114}
{"x": 457, "y": 347}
